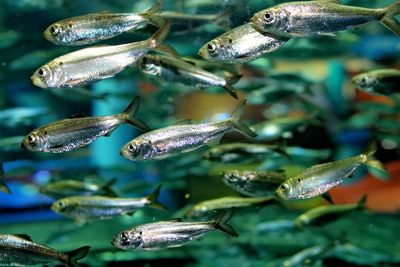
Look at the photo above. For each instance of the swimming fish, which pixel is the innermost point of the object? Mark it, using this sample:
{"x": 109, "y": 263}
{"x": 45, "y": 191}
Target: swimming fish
{"x": 254, "y": 183}
{"x": 92, "y": 64}
{"x": 178, "y": 139}
{"x": 310, "y": 18}
{"x": 240, "y": 45}
{"x": 308, "y": 256}
{"x": 3, "y": 187}
{"x": 20, "y": 250}
{"x": 173, "y": 69}
{"x": 318, "y": 179}
{"x": 382, "y": 82}
{"x": 173, "y": 233}
{"x": 22, "y": 116}
{"x": 94, "y": 27}
{"x": 89, "y": 208}
{"x": 68, "y": 134}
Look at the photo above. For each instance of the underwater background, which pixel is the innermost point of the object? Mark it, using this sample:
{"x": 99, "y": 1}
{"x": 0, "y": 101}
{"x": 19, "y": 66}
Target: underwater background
{"x": 302, "y": 90}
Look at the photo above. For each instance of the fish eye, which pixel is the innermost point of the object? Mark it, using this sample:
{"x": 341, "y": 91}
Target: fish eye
{"x": 144, "y": 60}
{"x": 123, "y": 237}
{"x": 131, "y": 148}
{"x": 284, "y": 187}
{"x": 54, "y": 30}
{"x": 42, "y": 72}
{"x": 363, "y": 80}
{"x": 61, "y": 205}
{"x": 31, "y": 139}
{"x": 268, "y": 17}
{"x": 211, "y": 48}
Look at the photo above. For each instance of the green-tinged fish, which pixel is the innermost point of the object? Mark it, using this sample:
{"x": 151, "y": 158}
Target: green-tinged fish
{"x": 69, "y": 188}
{"x": 178, "y": 139}
{"x": 173, "y": 233}
{"x": 318, "y": 179}
{"x": 21, "y": 116}
{"x": 10, "y": 145}
{"x": 79, "y": 94}
{"x": 208, "y": 207}
{"x": 20, "y": 250}
{"x": 31, "y": 60}
{"x": 3, "y": 187}
{"x": 310, "y": 18}
{"x": 239, "y": 45}
{"x": 381, "y": 82}
{"x": 9, "y": 38}
{"x": 90, "y": 208}
{"x": 326, "y": 214}
{"x": 175, "y": 70}
{"x": 68, "y": 134}
{"x": 254, "y": 183}
{"x": 95, "y": 27}
{"x": 92, "y": 64}
{"x": 308, "y": 255}
{"x": 241, "y": 152}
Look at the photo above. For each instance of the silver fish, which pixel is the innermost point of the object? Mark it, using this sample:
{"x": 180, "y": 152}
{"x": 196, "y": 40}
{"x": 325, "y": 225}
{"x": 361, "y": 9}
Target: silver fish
{"x": 240, "y": 45}
{"x": 20, "y": 250}
{"x": 310, "y": 18}
{"x": 167, "y": 234}
{"x": 92, "y": 64}
{"x": 178, "y": 139}
{"x": 68, "y": 134}
{"x": 381, "y": 82}
{"x": 95, "y": 27}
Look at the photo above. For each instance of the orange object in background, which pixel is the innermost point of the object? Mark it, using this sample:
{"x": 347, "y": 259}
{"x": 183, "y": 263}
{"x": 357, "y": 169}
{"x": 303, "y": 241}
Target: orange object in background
{"x": 381, "y": 196}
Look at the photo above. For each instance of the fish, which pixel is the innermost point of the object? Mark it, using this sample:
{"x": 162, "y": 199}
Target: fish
{"x": 175, "y": 70}
{"x": 177, "y": 139}
{"x": 20, "y": 250}
{"x": 80, "y": 94}
{"x": 3, "y": 187}
{"x": 308, "y": 255}
{"x": 89, "y": 208}
{"x": 92, "y": 64}
{"x": 172, "y": 233}
{"x": 240, "y": 45}
{"x": 322, "y": 17}
{"x": 72, "y": 133}
{"x": 94, "y": 27}
{"x": 9, "y": 38}
{"x": 31, "y": 60}
{"x": 10, "y": 145}
{"x": 208, "y": 207}
{"x": 320, "y": 178}
{"x": 254, "y": 183}
{"x": 68, "y": 188}
{"x": 326, "y": 214}
{"x": 21, "y": 116}
{"x": 380, "y": 82}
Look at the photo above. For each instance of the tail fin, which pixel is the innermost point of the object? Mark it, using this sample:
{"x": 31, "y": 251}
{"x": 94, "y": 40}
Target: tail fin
{"x": 3, "y": 187}
{"x": 221, "y": 223}
{"x": 130, "y": 112}
{"x": 107, "y": 188}
{"x": 237, "y": 124}
{"x": 75, "y": 255}
{"x": 388, "y": 19}
{"x": 156, "y": 8}
{"x": 152, "y": 198}
{"x": 228, "y": 86}
{"x": 371, "y": 160}
{"x": 159, "y": 36}
{"x": 362, "y": 202}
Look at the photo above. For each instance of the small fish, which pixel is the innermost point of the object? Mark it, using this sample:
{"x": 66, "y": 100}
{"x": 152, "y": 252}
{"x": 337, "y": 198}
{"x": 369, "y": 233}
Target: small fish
{"x": 9, "y": 38}
{"x": 20, "y": 250}
{"x": 323, "y": 17}
{"x": 173, "y": 233}
{"x": 31, "y": 60}
{"x": 22, "y": 116}
{"x": 92, "y": 64}
{"x": 68, "y": 134}
{"x": 326, "y": 214}
{"x": 381, "y": 82}
{"x": 90, "y": 208}
{"x": 318, "y": 179}
{"x": 308, "y": 255}
{"x": 254, "y": 183}
{"x": 178, "y": 139}
{"x": 95, "y": 27}
{"x": 3, "y": 187}
{"x": 240, "y": 45}
{"x": 9, "y": 145}
{"x": 173, "y": 69}
{"x": 68, "y": 188}
{"x": 206, "y": 208}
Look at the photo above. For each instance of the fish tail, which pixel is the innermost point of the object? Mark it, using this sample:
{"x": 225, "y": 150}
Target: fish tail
{"x": 388, "y": 19}
{"x": 229, "y": 82}
{"x": 129, "y": 114}
{"x": 107, "y": 188}
{"x": 221, "y": 223}
{"x": 371, "y": 160}
{"x": 75, "y": 255}
{"x": 237, "y": 124}
{"x": 3, "y": 187}
{"x": 156, "y": 8}
{"x": 159, "y": 36}
{"x": 152, "y": 198}
{"x": 362, "y": 202}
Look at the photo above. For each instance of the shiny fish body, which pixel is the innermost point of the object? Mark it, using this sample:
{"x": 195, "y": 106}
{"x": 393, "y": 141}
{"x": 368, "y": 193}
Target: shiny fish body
{"x": 240, "y": 45}
{"x": 381, "y": 82}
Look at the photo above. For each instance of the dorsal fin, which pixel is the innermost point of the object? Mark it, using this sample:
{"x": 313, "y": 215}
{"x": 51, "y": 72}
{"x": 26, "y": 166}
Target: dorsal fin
{"x": 24, "y": 236}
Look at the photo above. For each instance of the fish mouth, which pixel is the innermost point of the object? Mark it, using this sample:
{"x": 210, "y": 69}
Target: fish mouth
{"x": 38, "y": 82}
{"x": 22, "y": 145}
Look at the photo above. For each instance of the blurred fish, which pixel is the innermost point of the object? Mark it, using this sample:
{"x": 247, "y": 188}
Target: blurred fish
{"x": 20, "y": 250}
{"x": 321, "y": 17}
{"x": 95, "y": 63}
{"x": 9, "y": 38}
{"x": 68, "y": 134}
{"x": 213, "y": 66}
{"x": 33, "y": 59}
{"x": 275, "y": 226}
{"x": 326, "y": 214}
{"x": 90, "y": 208}
{"x": 308, "y": 255}
{"x": 3, "y": 187}
{"x": 318, "y": 179}
{"x": 80, "y": 94}
{"x": 21, "y": 116}
{"x": 173, "y": 233}
{"x": 177, "y": 139}
{"x": 69, "y": 188}
{"x": 301, "y": 154}
{"x": 240, "y": 45}
{"x": 175, "y": 70}
{"x": 254, "y": 183}
{"x": 381, "y": 82}
{"x": 95, "y": 27}
{"x": 10, "y": 144}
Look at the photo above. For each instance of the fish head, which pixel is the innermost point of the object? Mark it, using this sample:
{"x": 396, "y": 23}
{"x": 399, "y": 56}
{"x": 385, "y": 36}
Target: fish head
{"x": 59, "y": 33}
{"x": 233, "y": 177}
{"x": 364, "y": 82}
{"x": 47, "y": 76}
{"x": 131, "y": 239}
{"x": 35, "y": 141}
{"x": 212, "y": 154}
{"x": 272, "y": 20}
{"x": 215, "y": 50}
{"x": 150, "y": 65}
{"x": 60, "y": 206}
{"x": 284, "y": 191}
{"x": 136, "y": 149}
